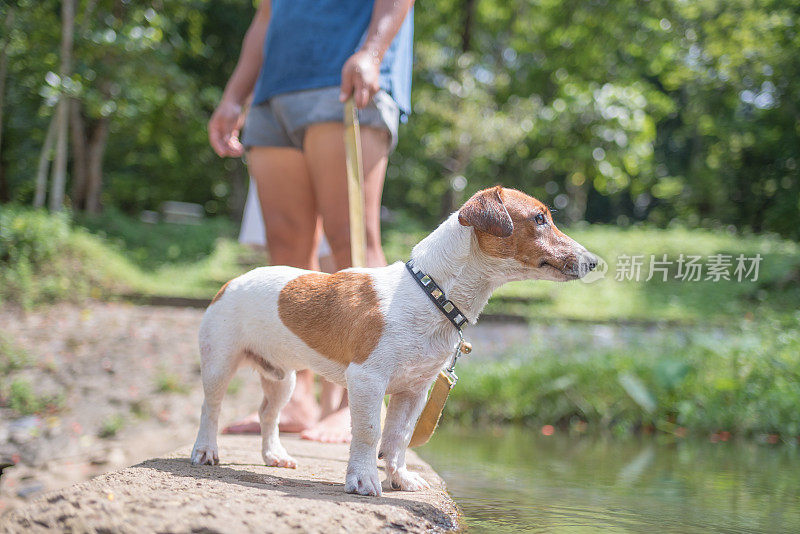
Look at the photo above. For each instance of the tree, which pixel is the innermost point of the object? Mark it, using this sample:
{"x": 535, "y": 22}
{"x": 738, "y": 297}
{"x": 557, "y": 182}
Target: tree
{"x": 9, "y": 22}
{"x": 59, "y": 178}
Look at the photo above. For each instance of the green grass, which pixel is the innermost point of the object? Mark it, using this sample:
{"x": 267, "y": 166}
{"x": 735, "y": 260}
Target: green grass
{"x": 46, "y": 258}
{"x": 110, "y": 426}
{"x": 776, "y": 290}
{"x": 777, "y": 287}
{"x": 731, "y": 364}
{"x": 744, "y": 379}
{"x": 12, "y": 357}
{"x": 23, "y": 399}
{"x": 235, "y": 386}
{"x": 167, "y": 382}
{"x": 150, "y": 246}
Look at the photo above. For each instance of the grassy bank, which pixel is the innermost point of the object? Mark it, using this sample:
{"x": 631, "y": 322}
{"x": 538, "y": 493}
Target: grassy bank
{"x": 46, "y": 258}
{"x": 777, "y": 287}
{"x": 731, "y": 363}
{"x": 743, "y": 380}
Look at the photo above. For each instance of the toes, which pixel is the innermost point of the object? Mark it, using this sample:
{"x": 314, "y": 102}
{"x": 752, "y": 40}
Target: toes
{"x": 280, "y": 460}
{"x": 205, "y": 456}
{"x": 364, "y": 484}
{"x": 405, "y": 480}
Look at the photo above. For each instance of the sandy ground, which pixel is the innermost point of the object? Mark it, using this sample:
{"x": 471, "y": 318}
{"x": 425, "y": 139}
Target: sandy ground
{"x": 128, "y": 382}
{"x": 116, "y": 367}
{"x": 241, "y": 495}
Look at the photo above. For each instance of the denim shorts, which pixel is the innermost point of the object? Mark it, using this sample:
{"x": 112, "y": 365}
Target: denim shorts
{"x": 282, "y": 120}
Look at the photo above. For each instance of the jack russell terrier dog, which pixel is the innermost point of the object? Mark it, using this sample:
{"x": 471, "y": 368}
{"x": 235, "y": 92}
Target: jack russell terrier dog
{"x": 375, "y": 331}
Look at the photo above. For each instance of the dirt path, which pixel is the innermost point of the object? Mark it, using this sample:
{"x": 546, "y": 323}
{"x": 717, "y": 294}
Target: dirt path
{"x": 241, "y": 495}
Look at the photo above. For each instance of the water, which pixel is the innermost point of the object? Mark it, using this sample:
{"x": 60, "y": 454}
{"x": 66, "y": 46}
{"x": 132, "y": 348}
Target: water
{"x": 517, "y": 480}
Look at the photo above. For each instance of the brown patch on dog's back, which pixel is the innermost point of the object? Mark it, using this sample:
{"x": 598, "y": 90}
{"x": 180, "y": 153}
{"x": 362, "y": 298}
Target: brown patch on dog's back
{"x": 337, "y": 315}
{"x": 220, "y": 292}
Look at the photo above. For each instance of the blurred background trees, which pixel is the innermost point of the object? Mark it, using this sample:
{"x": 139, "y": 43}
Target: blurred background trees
{"x": 609, "y": 110}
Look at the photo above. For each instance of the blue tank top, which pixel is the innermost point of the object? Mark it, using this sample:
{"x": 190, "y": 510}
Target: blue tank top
{"x": 308, "y": 41}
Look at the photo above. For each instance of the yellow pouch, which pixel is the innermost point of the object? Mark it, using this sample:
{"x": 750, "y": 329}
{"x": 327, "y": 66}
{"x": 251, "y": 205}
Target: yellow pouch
{"x": 429, "y": 418}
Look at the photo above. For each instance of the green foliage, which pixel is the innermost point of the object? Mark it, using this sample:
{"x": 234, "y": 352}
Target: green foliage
{"x": 24, "y": 400}
{"x": 35, "y": 257}
{"x": 744, "y": 380}
{"x": 167, "y": 382}
{"x": 154, "y": 245}
{"x": 110, "y": 426}
{"x": 12, "y": 357}
{"x": 30, "y": 236}
{"x": 147, "y": 68}
{"x": 777, "y": 288}
{"x": 66, "y": 262}
{"x": 613, "y": 111}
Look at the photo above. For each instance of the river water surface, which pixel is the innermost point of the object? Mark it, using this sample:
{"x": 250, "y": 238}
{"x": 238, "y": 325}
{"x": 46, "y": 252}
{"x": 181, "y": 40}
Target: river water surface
{"x": 517, "y": 480}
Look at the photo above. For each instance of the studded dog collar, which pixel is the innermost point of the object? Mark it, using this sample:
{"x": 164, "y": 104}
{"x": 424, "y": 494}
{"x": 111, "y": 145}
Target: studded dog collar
{"x": 436, "y": 294}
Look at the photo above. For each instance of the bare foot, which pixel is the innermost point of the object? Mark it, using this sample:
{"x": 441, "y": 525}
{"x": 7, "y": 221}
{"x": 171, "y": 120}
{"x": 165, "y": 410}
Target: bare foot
{"x": 335, "y": 428}
{"x": 246, "y": 425}
{"x": 296, "y": 416}
{"x": 299, "y": 414}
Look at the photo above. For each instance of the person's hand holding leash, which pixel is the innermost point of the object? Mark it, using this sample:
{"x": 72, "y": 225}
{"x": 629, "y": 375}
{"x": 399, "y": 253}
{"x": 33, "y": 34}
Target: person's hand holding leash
{"x": 361, "y": 77}
{"x": 223, "y": 129}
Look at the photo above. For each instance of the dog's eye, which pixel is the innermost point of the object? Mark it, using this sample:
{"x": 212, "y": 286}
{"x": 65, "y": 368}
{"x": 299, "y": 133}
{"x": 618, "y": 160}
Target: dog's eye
{"x": 540, "y": 219}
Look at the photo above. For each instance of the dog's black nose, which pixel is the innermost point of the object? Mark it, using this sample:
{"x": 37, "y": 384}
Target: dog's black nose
{"x": 589, "y": 262}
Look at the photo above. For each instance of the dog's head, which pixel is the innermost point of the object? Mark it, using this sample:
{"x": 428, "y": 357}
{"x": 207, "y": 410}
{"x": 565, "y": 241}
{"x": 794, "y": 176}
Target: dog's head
{"x": 517, "y": 228}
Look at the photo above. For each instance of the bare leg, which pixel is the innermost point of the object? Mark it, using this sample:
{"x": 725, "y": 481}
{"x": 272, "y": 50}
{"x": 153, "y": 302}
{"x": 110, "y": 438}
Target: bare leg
{"x": 325, "y": 159}
{"x": 276, "y": 395}
{"x": 287, "y": 203}
{"x": 404, "y": 410}
{"x": 293, "y": 233}
{"x": 331, "y": 397}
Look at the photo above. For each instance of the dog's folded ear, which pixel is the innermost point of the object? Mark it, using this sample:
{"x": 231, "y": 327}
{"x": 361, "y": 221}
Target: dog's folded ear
{"x": 486, "y": 212}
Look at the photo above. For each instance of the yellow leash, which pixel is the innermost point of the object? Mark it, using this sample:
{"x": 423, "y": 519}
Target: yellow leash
{"x": 355, "y": 185}
{"x": 432, "y": 413}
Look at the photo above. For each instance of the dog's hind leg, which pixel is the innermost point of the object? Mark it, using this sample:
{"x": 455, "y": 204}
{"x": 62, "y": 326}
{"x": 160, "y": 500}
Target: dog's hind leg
{"x": 217, "y": 368}
{"x": 276, "y": 395}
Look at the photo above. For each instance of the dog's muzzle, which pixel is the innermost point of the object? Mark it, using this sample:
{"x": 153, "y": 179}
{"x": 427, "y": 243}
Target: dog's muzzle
{"x": 585, "y": 263}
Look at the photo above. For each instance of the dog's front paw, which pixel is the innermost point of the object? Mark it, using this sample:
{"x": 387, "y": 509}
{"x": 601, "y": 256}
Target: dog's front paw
{"x": 405, "y": 480}
{"x": 205, "y": 455}
{"x": 279, "y": 458}
{"x": 364, "y": 482}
